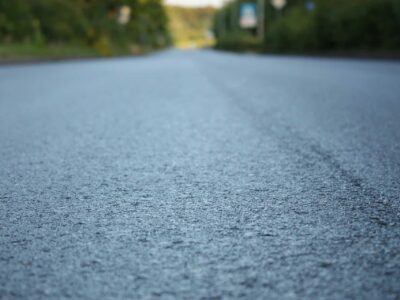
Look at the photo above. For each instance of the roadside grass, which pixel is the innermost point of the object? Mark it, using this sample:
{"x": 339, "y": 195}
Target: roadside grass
{"x": 239, "y": 42}
{"x": 31, "y": 51}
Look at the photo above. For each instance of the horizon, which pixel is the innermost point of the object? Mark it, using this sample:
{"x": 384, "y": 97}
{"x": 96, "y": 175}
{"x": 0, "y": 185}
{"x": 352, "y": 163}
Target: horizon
{"x": 194, "y": 3}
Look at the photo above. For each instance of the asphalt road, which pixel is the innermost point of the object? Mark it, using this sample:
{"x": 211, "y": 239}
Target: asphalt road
{"x": 200, "y": 175}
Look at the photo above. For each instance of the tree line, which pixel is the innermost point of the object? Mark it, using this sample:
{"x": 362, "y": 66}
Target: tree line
{"x": 191, "y": 26}
{"x": 315, "y": 26}
{"x": 109, "y": 26}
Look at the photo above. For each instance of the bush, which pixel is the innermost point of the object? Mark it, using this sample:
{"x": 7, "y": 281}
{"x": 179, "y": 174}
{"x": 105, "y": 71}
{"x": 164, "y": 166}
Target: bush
{"x": 358, "y": 24}
{"x": 239, "y": 41}
{"x": 91, "y": 23}
{"x": 340, "y": 25}
{"x": 294, "y": 32}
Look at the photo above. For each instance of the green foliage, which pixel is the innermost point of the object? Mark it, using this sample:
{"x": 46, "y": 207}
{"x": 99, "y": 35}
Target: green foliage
{"x": 340, "y": 25}
{"x": 294, "y": 32}
{"x": 226, "y": 23}
{"x": 357, "y": 24}
{"x": 228, "y": 32}
{"x": 92, "y": 23}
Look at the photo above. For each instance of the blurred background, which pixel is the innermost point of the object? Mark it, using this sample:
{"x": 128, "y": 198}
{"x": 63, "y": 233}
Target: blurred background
{"x": 80, "y": 28}
{"x": 65, "y": 28}
{"x": 310, "y": 26}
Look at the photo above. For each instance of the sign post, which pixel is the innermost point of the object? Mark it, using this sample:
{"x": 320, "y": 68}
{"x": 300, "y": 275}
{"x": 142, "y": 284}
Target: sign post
{"x": 261, "y": 20}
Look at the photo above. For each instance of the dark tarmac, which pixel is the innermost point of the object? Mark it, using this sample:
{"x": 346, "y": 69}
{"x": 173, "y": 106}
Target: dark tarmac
{"x": 200, "y": 175}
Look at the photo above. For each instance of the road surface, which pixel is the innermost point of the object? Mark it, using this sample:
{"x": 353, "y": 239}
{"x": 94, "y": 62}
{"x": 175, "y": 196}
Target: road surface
{"x": 200, "y": 175}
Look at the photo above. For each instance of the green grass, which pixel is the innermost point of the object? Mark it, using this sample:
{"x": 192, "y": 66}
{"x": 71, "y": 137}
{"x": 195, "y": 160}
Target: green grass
{"x": 30, "y": 51}
{"x": 239, "y": 41}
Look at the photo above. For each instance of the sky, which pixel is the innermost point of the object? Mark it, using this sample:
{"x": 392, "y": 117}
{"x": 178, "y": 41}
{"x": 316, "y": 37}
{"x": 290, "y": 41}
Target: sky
{"x": 194, "y": 2}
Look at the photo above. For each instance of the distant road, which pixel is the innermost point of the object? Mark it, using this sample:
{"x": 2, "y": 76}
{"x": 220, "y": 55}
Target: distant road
{"x": 200, "y": 175}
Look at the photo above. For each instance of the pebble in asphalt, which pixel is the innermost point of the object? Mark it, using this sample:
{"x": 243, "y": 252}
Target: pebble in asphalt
{"x": 200, "y": 175}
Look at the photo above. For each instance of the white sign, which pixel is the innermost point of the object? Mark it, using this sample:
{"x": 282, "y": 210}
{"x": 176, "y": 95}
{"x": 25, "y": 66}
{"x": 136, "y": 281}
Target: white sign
{"x": 248, "y": 15}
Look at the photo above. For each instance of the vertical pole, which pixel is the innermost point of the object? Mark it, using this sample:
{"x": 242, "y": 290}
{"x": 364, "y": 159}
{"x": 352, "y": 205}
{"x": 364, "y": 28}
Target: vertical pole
{"x": 222, "y": 23}
{"x": 261, "y": 19}
{"x": 233, "y": 16}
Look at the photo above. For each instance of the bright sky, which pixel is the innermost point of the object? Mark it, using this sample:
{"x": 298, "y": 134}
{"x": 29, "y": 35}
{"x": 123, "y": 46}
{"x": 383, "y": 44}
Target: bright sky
{"x": 194, "y": 2}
